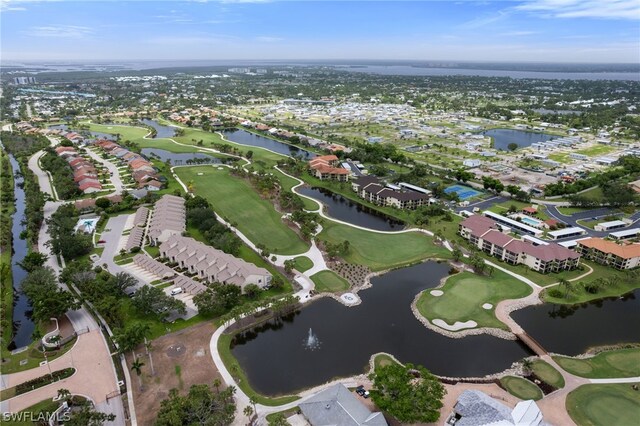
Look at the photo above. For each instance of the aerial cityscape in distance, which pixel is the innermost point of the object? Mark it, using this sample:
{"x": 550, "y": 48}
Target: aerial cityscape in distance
{"x": 273, "y": 212}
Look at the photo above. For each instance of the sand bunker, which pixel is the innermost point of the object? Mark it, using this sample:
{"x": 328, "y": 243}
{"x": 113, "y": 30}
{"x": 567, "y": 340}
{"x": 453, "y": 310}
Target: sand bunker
{"x": 456, "y": 326}
{"x": 487, "y": 306}
{"x": 436, "y": 293}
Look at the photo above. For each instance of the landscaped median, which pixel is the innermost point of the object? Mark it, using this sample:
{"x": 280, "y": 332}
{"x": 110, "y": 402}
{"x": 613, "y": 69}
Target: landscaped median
{"x": 36, "y": 383}
{"x": 470, "y": 297}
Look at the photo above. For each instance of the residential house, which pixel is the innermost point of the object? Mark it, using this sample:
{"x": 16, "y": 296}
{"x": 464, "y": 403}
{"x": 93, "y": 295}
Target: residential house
{"x": 336, "y": 405}
{"x": 476, "y": 408}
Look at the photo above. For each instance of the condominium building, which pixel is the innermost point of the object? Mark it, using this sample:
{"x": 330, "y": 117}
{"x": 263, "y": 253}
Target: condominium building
{"x": 373, "y": 190}
{"x": 212, "y": 264}
{"x": 326, "y": 167}
{"x": 168, "y": 218}
{"x": 619, "y": 256}
{"x": 484, "y": 233}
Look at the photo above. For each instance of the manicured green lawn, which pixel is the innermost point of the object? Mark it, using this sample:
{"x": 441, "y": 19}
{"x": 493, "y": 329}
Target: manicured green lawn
{"x": 604, "y": 405}
{"x": 235, "y": 199}
{"x": 464, "y": 295}
{"x": 329, "y": 281}
{"x": 382, "y": 251}
{"x": 548, "y": 374}
{"x": 618, "y": 282}
{"x": 521, "y": 388}
{"x": 303, "y": 263}
{"x": 609, "y": 364}
{"x": 126, "y": 132}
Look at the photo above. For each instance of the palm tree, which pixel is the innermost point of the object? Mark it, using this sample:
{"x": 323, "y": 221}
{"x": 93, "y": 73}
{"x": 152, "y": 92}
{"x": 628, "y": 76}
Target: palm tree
{"x": 566, "y": 284}
{"x": 216, "y": 384}
{"x": 137, "y": 367}
{"x": 527, "y": 366}
{"x": 248, "y": 411}
{"x": 63, "y": 394}
{"x": 253, "y": 402}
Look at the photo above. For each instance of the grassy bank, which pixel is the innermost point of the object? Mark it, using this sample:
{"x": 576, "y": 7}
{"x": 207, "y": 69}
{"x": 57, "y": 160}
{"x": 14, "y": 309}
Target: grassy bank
{"x": 609, "y": 364}
{"x": 521, "y": 388}
{"x": 464, "y": 295}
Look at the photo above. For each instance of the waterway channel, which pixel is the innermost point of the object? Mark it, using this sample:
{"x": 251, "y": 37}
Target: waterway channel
{"x": 23, "y": 326}
{"x": 243, "y": 137}
{"x": 343, "y": 209}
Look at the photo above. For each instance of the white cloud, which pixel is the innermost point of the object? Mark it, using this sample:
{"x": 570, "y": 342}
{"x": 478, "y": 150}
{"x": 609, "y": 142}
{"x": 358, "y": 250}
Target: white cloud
{"x": 64, "y": 31}
{"x": 268, "y": 39}
{"x": 604, "y": 9}
{"x": 486, "y": 20}
{"x": 517, "y": 33}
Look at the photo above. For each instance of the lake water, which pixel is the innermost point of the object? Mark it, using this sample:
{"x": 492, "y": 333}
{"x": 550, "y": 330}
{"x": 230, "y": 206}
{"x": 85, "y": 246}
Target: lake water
{"x": 161, "y": 130}
{"x": 178, "y": 159}
{"x": 22, "y": 324}
{"x": 503, "y": 137}
{"x": 438, "y": 72}
{"x": 247, "y": 138}
{"x": 349, "y": 211}
{"x": 571, "y": 330}
{"x": 277, "y": 362}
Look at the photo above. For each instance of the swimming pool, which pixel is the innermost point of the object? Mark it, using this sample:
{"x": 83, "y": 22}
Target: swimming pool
{"x": 464, "y": 192}
{"x": 530, "y": 221}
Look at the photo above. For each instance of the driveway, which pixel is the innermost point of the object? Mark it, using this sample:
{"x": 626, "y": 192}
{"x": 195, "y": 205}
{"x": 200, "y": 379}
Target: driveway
{"x": 94, "y": 377}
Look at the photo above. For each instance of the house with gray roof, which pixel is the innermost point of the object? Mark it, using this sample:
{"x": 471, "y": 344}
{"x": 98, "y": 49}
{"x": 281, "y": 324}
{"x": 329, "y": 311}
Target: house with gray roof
{"x": 168, "y": 218}
{"x": 476, "y": 408}
{"x": 336, "y": 405}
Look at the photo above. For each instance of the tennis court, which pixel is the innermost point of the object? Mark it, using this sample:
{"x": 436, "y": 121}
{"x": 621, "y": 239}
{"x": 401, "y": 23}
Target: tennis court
{"x": 464, "y": 192}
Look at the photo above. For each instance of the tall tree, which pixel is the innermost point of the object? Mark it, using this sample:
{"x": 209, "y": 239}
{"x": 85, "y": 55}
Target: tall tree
{"x": 409, "y": 393}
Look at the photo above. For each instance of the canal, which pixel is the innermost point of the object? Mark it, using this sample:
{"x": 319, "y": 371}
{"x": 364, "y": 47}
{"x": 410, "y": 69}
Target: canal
{"x": 23, "y": 326}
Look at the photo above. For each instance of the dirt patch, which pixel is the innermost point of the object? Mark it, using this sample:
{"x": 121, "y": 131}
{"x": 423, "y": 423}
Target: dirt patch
{"x": 180, "y": 359}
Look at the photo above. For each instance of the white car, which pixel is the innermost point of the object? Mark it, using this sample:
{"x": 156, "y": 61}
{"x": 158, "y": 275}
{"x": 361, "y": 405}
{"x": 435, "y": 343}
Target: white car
{"x": 176, "y": 291}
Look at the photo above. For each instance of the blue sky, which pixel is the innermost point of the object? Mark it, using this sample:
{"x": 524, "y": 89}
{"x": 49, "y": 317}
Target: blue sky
{"x": 527, "y": 30}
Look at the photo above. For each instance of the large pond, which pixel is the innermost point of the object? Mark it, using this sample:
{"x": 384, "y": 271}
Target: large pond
{"x": 346, "y": 210}
{"x": 22, "y": 324}
{"x": 571, "y": 330}
{"x": 179, "y": 158}
{"x": 97, "y": 135}
{"x": 503, "y": 137}
{"x": 277, "y": 361}
{"x": 247, "y": 138}
{"x": 161, "y": 130}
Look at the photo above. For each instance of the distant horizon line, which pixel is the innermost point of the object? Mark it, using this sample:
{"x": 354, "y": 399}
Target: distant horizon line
{"x": 464, "y": 61}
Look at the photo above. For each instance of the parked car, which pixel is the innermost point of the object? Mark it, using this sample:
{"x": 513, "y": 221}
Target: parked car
{"x": 176, "y": 291}
{"x": 360, "y": 390}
